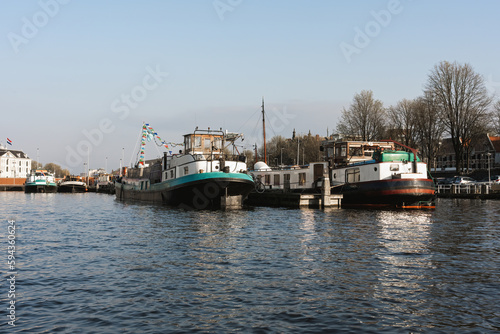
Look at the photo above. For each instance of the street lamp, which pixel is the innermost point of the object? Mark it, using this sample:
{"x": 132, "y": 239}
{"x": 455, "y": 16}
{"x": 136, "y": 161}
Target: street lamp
{"x": 489, "y": 172}
{"x": 85, "y": 171}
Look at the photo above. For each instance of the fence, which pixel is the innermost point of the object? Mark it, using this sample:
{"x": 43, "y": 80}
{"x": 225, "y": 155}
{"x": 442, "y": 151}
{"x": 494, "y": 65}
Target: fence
{"x": 468, "y": 190}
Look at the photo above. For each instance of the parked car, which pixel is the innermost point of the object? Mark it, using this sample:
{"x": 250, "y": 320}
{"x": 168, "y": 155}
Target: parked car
{"x": 495, "y": 179}
{"x": 462, "y": 180}
{"x": 442, "y": 180}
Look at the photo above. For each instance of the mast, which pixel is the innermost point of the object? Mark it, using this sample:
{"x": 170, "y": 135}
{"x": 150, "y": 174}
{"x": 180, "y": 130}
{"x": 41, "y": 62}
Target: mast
{"x": 264, "y": 130}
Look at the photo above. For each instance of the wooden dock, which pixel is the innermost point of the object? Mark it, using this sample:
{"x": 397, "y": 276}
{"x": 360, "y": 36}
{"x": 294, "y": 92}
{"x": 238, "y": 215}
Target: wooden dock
{"x": 293, "y": 200}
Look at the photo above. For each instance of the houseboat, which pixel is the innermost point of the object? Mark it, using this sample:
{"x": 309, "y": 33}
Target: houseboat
{"x": 72, "y": 184}
{"x": 306, "y": 178}
{"x": 205, "y": 175}
{"x": 376, "y": 174}
{"x": 40, "y": 181}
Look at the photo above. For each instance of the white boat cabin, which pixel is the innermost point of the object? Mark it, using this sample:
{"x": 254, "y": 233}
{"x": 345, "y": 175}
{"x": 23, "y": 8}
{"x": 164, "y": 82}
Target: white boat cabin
{"x": 357, "y": 161}
{"x": 290, "y": 177}
{"x": 204, "y": 152}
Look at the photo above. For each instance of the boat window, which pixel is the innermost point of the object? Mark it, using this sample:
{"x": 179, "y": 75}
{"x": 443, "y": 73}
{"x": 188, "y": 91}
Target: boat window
{"x": 207, "y": 145}
{"x": 355, "y": 151}
{"x": 217, "y": 144}
{"x": 267, "y": 179}
{"x": 394, "y": 167}
{"x": 187, "y": 143}
{"x": 277, "y": 180}
{"x": 302, "y": 178}
{"x": 197, "y": 141}
{"x": 171, "y": 173}
{"x": 352, "y": 175}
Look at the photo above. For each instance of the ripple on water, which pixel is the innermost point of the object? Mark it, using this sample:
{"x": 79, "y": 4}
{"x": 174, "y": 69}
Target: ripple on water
{"x": 88, "y": 263}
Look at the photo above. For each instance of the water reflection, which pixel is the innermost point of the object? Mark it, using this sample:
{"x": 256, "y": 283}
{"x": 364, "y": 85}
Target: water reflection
{"x": 404, "y": 258}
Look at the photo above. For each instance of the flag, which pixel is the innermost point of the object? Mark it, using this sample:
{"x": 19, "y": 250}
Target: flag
{"x": 9, "y": 141}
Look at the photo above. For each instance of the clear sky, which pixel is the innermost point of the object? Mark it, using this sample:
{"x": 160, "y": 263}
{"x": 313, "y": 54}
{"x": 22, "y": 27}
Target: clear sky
{"x": 89, "y": 73}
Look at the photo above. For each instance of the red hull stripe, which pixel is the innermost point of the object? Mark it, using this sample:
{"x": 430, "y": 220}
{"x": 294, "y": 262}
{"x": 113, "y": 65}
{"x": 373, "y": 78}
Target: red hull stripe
{"x": 403, "y": 191}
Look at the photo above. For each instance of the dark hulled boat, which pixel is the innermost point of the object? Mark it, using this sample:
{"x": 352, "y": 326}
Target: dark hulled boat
{"x": 203, "y": 176}
{"x": 375, "y": 174}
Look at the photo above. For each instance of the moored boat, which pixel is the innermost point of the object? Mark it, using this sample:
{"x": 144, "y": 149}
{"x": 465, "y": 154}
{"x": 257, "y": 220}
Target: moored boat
{"x": 40, "y": 181}
{"x": 375, "y": 174}
{"x": 72, "y": 184}
{"x": 105, "y": 184}
{"x": 203, "y": 176}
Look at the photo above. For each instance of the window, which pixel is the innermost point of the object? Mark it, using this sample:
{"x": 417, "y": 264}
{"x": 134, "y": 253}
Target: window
{"x": 352, "y": 175}
{"x": 186, "y": 170}
{"x": 302, "y": 178}
{"x": 207, "y": 145}
{"x": 286, "y": 181}
{"x": 197, "y": 142}
{"x": 26, "y": 164}
{"x": 187, "y": 143}
{"x": 172, "y": 174}
{"x": 19, "y": 163}
{"x": 277, "y": 180}
{"x": 267, "y": 179}
{"x": 218, "y": 143}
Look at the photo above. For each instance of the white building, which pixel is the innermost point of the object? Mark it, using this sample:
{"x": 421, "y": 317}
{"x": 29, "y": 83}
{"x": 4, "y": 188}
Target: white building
{"x": 14, "y": 163}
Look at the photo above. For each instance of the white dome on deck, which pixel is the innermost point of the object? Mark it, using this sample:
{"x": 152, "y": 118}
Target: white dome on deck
{"x": 261, "y": 166}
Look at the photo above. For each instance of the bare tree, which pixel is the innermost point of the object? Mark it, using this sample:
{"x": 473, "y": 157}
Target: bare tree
{"x": 299, "y": 150}
{"x": 56, "y": 169}
{"x": 402, "y": 123}
{"x": 496, "y": 117}
{"x": 365, "y": 118}
{"x": 428, "y": 127}
{"x": 463, "y": 103}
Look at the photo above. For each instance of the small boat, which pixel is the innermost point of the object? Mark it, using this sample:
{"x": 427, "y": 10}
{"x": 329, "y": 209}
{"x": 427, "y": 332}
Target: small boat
{"x": 105, "y": 184}
{"x": 375, "y": 174}
{"x": 203, "y": 176}
{"x": 40, "y": 181}
{"x": 72, "y": 184}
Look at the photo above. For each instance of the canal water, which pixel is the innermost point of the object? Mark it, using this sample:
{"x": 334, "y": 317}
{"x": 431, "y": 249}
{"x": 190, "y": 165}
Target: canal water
{"x": 86, "y": 263}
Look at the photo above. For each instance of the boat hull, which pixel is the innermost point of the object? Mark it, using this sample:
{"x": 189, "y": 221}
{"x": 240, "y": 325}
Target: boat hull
{"x": 72, "y": 188}
{"x": 40, "y": 188}
{"x": 217, "y": 190}
{"x": 397, "y": 193}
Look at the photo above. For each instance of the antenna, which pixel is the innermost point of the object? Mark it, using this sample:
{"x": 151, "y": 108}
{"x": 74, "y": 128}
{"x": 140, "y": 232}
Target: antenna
{"x": 264, "y": 130}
